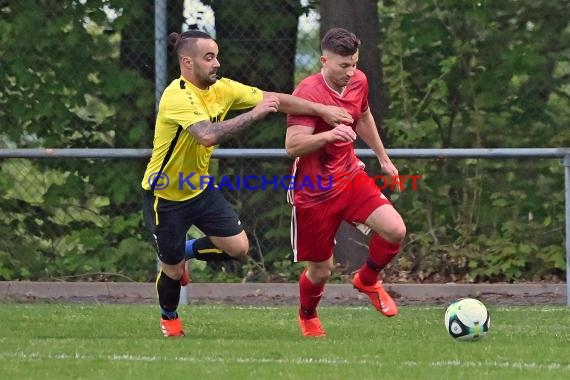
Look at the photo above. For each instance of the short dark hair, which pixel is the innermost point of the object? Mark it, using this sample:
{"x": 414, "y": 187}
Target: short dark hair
{"x": 340, "y": 41}
{"x": 177, "y": 41}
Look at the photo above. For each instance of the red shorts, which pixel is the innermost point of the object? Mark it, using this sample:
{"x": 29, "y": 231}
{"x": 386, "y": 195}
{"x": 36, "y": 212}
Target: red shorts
{"x": 313, "y": 228}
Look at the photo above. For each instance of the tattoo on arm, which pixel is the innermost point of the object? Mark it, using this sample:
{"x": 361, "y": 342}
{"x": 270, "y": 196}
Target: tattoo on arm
{"x": 208, "y": 133}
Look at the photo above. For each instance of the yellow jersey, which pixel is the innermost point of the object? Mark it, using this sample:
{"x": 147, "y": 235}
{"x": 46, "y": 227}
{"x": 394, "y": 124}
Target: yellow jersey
{"x": 178, "y": 167}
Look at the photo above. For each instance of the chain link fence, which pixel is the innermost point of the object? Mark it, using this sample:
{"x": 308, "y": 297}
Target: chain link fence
{"x": 80, "y": 219}
{"x": 87, "y": 74}
{"x": 91, "y": 77}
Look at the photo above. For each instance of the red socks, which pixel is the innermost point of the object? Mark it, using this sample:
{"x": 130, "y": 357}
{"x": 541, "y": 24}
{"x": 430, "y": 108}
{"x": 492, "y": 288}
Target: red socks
{"x": 380, "y": 253}
{"x": 309, "y": 294}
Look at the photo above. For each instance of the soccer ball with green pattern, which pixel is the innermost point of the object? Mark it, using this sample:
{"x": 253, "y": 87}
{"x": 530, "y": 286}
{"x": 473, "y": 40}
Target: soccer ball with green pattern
{"x": 467, "y": 319}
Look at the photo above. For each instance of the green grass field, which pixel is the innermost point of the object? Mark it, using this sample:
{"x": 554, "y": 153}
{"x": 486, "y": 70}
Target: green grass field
{"x": 88, "y": 341}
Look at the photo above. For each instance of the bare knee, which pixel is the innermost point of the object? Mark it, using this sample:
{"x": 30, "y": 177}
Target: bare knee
{"x": 319, "y": 274}
{"x": 175, "y": 271}
{"x": 396, "y": 233}
{"x": 388, "y": 223}
{"x": 239, "y": 250}
{"x": 236, "y": 246}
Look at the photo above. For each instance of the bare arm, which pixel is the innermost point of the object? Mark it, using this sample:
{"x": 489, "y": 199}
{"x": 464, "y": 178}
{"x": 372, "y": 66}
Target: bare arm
{"x": 366, "y": 129}
{"x": 209, "y": 134}
{"x": 300, "y": 140}
{"x": 295, "y": 105}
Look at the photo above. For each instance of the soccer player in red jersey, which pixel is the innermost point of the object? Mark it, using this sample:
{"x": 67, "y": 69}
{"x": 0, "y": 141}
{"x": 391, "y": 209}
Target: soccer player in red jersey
{"x": 325, "y": 155}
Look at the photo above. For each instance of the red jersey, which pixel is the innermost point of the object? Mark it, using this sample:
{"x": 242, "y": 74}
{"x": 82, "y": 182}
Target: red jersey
{"x": 322, "y": 174}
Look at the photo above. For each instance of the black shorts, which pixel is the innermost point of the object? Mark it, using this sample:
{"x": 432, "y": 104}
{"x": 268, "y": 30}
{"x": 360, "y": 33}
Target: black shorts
{"x": 169, "y": 221}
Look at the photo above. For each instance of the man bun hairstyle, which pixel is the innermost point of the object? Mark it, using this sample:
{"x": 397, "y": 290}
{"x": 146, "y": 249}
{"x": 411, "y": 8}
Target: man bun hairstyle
{"x": 179, "y": 41}
{"x": 340, "y": 41}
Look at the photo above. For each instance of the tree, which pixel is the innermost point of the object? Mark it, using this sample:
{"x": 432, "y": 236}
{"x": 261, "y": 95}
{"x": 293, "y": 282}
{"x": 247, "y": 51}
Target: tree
{"x": 258, "y": 47}
{"x": 361, "y": 17}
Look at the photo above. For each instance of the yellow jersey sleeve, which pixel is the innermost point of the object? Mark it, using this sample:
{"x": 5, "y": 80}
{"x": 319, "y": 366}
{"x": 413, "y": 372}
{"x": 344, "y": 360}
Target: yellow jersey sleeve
{"x": 183, "y": 107}
{"x": 243, "y": 96}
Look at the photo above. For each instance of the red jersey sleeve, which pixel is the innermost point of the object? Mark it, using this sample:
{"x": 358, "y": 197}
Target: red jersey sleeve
{"x": 303, "y": 90}
{"x": 365, "y": 89}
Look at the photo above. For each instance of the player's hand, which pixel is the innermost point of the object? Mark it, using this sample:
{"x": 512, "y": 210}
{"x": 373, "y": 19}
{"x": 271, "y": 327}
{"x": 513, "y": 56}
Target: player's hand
{"x": 268, "y": 105}
{"x": 390, "y": 169}
{"x": 342, "y": 132}
{"x": 334, "y": 115}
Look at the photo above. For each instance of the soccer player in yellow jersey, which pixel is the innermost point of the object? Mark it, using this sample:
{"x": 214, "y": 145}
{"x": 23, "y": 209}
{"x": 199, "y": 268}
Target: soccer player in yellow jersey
{"x": 190, "y": 122}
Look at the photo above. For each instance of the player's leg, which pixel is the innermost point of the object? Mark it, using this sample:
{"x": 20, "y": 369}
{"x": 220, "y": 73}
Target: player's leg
{"x": 312, "y": 283}
{"x": 225, "y": 238}
{"x": 369, "y": 206}
{"x": 166, "y": 221}
{"x": 312, "y": 238}
{"x": 385, "y": 242}
{"x": 204, "y": 249}
{"x": 168, "y": 285}
{"x": 382, "y": 248}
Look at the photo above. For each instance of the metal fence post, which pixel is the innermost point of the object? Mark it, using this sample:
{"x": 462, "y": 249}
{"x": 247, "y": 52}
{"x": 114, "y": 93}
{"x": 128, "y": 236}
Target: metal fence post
{"x": 566, "y": 163}
{"x": 160, "y": 57}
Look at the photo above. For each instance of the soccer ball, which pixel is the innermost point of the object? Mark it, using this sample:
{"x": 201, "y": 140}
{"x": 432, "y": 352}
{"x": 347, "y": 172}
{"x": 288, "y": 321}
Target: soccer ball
{"x": 467, "y": 319}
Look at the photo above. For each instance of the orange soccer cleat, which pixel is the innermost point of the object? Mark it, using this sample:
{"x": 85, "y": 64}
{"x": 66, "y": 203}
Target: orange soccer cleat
{"x": 171, "y": 327}
{"x": 311, "y": 327}
{"x": 378, "y": 296}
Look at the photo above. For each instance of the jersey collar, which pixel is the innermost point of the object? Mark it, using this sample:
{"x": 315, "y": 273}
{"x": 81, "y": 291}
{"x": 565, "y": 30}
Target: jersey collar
{"x": 333, "y": 90}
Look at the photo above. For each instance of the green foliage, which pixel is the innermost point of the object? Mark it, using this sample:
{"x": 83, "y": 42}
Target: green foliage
{"x": 64, "y": 85}
{"x": 479, "y": 74}
{"x": 60, "y": 86}
{"x": 69, "y": 226}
